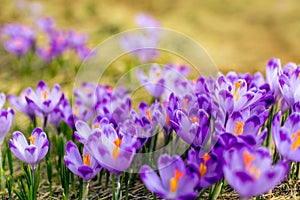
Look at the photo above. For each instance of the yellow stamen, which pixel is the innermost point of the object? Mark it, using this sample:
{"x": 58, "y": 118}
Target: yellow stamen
{"x": 87, "y": 159}
{"x": 45, "y": 95}
{"x": 248, "y": 159}
{"x": 237, "y": 86}
{"x": 174, "y": 181}
{"x": 157, "y": 74}
{"x": 239, "y": 128}
{"x": 296, "y": 138}
{"x": 235, "y": 92}
{"x": 148, "y": 115}
{"x": 76, "y": 112}
{"x": 116, "y": 149}
{"x": 32, "y": 139}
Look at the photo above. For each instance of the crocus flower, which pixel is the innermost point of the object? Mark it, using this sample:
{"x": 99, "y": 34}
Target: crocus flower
{"x": 33, "y": 152}
{"x": 287, "y": 137}
{"x": 250, "y": 171}
{"x": 289, "y": 86}
{"x": 273, "y": 72}
{"x": 6, "y": 120}
{"x": 154, "y": 84}
{"x": 206, "y": 165}
{"x": 17, "y": 46}
{"x": 43, "y": 99}
{"x": 76, "y": 39}
{"x": 86, "y": 166}
{"x": 83, "y": 130}
{"x": 21, "y": 104}
{"x": 175, "y": 181}
{"x": 244, "y": 123}
{"x": 46, "y": 24}
{"x": 113, "y": 152}
{"x": 193, "y": 128}
{"x": 87, "y": 94}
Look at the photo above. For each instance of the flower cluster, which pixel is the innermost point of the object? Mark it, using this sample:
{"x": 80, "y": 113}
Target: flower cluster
{"x": 19, "y": 39}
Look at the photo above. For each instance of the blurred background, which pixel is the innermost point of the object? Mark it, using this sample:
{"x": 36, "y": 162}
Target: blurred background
{"x": 238, "y": 35}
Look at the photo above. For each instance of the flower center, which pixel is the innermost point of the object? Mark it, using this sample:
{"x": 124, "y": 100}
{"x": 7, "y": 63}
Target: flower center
{"x": 248, "y": 159}
{"x": 148, "y": 115}
{"x": 174, "y": 181}
{"x": 239, "y": 128}
{"x": 237, "y": 94}
{"x": 45, "y": 95}
{"x": 32, "y": 139}
{"x": 168, "y": 120}
{"x": 76, "y": 112}
{"x": 116, "y": 149}
{"x": 185, "y": 101}
{"x": 203, "y": 167}
{"x": 296, "y": 140}
{"x": 87, "y": 159}
{"x": 96, "y": 125}
{"x": 194, "y": 119}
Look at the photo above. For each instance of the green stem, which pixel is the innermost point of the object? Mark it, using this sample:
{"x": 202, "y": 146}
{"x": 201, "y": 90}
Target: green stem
{"x": 86, "y": 185}
{"x": 1, "y": 171}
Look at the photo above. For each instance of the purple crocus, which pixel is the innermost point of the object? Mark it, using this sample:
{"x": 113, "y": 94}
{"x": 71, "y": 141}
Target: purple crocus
{"x": 175, "y": 181}
{"x": 86, "y": 166}
{"x": 21, "y": 104}
{"x": 6, "y": 120}
{"x": 289, "y": 86}
{"x": 33, "y": 152}
{"x": 43, "y": 99}
{"x": 83, "y": 130}
{"x": 287, "y": 137}
{"x": 245, "y": 123}
{"x": 76, "y": 39}
{"x": 18, "y": 39}
{"x": 113, "y": 152}
{"x": 46, "y": 24}
{"x": 206, "y": 165}
{"x": 273, "y": 72}
{"x": 17, "y": 46}
{"x": 193, "y": 128}
{"x": 250, "y": 171}
{"x": 154, "y": 84}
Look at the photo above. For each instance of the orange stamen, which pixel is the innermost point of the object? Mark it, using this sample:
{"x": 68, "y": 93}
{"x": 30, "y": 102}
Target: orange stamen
{"x": 296, "y": 138}
{"x": 116, "y": 149}
{"x": 194, "y": 119}
{"x": 206, "y": 157}
{"x": 168, "y": 120}
{"x": 248, "y": 159}
{"x": 87, "y": 159}
{"x": 96, "y": 125}
{"x": 202, "y": 170}
{"x": 239, "y": 128}
{"x": 185, "y": 101}
{"x": 174, "y": 181}
{"x": 148, "y": 115}
{"x": 157, "y": 74}
{"x": 118, "y": 142}
{"x": 203, "y": 167}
